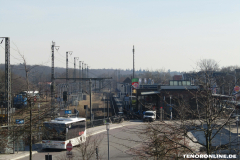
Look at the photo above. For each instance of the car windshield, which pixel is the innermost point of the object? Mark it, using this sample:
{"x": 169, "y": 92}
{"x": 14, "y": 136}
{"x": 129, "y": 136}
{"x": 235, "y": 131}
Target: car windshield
{"x": 149, "y": 114}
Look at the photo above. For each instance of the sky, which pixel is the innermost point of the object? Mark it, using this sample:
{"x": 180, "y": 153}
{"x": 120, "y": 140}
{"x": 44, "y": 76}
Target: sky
{"x": 166, "y": 34}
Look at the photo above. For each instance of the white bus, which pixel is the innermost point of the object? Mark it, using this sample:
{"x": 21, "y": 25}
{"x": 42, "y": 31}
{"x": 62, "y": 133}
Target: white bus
{"x": 57, "y": 133}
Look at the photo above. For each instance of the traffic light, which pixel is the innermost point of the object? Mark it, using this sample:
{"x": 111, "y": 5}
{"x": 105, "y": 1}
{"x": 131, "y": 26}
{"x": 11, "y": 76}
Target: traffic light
{"x": 65, "y": 96}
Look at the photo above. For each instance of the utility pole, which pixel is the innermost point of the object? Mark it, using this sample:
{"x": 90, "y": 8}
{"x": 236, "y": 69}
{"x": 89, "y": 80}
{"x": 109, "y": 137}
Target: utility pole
{"x": 133, "y": 61}
{"x": 68, "y": 52}
{"x": 7, "y": 97}
{"x": 90, "y": 93}
{"x": 87, "y": 72}
{"x": 85, "y": 77}
{"x": 52, "y": 80}
{"x": 75, "y": 74}
{"x": 80, "y": 76}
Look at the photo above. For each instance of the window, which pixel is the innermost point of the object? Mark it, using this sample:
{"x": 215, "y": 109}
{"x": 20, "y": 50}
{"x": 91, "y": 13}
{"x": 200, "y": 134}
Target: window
{"x": 55, "y": 132}
{"x": 76, "y": 130}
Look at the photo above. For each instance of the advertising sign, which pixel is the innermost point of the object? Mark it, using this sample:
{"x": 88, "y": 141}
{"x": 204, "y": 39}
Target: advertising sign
{"x": 135, "y": 83}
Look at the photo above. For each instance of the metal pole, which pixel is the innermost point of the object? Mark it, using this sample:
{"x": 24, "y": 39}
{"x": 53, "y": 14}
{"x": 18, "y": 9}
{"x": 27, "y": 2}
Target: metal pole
{"x": 237, "y": 134}
{"x": 38, "y": 120}
{"x": 80, "y": 76}
{"x": 67, "y": 77}
{"x": 75, "y": 74}
{"x": 108, "y": 141}
{"x": 7, "y": 79}
{"x": 229, "y": 137}
{"x": 90, "y": 93}
{"x": 104, "y": 107}
{"x": 52, "y": 79}
{"x": 133, "y": 61}
{"x": 86, "y": 77}
{"x": 171, "y": 106}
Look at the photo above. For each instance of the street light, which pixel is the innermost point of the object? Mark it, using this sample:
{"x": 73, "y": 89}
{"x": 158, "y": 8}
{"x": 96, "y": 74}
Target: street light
{"x": 107, "y": 128}
{"x": 104, "y": 107}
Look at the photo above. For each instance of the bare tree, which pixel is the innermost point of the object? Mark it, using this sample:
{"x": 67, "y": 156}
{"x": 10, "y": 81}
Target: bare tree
{"x": 87, "y": 148}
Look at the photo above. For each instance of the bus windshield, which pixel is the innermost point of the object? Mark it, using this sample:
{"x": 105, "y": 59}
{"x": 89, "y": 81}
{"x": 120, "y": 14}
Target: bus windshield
{"x": 149, "y": 114}
{"x": 53, "y": 131}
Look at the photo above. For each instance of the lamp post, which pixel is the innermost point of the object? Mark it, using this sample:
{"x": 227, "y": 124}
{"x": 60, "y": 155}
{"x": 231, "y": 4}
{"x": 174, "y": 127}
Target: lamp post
{"x": 107, "y": 128}
{"x": 104, "y": 107}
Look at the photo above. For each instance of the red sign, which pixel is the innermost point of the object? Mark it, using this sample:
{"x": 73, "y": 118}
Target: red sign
{"x": 69, "y": 146}
{"x": 236, "y": 88}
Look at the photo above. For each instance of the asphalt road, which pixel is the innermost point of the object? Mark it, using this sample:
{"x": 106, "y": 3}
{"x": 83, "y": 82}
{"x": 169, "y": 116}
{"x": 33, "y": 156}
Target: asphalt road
{"x": 121, "y": 140}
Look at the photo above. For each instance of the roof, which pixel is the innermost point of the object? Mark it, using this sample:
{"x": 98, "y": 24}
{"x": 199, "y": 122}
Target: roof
{"x": 63, "y": 120}
{"x": 127, "y": 80}
{"x": 179, "y": 87}
{"x": 148, "y": 93}
{"x": 221, "y": 95}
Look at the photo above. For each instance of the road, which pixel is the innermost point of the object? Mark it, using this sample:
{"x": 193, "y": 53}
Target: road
{"x": 121, "y": 140}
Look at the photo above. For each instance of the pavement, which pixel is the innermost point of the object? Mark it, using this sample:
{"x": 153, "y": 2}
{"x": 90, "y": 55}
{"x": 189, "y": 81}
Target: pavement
{"x": 37, "y": 147}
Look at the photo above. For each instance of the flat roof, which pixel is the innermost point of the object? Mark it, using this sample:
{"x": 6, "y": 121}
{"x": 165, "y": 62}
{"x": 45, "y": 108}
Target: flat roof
{"x": 152, "y": 92}
{"x": 179, "y": 87}
{"x": 63, "y": 120}
{"x": 221, "y": 95}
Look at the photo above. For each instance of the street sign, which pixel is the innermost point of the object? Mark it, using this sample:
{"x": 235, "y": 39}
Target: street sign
{"x": 69, "y": 146}
{"x": 19, "y": 121}
{"x": 68, "y": 111}
{"x": 126, "y": 98}
{"x": 236, "y": 88}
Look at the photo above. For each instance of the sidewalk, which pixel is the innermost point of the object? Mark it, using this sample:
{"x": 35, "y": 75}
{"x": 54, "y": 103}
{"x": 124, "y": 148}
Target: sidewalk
{"x": 16, "y": 156}
{"x": 37, "y": 147}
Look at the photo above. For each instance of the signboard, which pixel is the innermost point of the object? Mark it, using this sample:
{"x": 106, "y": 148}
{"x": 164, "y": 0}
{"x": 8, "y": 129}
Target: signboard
{"x": 135, "y": 83}
{"x": 68, "y": 111}
{"x": 69, "y": 146}
{"x": 19, "y": 121}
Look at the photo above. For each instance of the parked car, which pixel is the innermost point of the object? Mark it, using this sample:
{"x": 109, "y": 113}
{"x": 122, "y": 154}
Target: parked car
{"x": 149, "y": 116}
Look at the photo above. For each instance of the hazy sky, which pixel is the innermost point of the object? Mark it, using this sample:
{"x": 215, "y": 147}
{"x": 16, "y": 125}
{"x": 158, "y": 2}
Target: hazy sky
{"x": 170, "y": 34}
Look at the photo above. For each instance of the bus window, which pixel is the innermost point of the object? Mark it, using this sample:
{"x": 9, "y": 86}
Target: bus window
{"x": 77, "y": 129}
{"x": 55, "y": 132}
